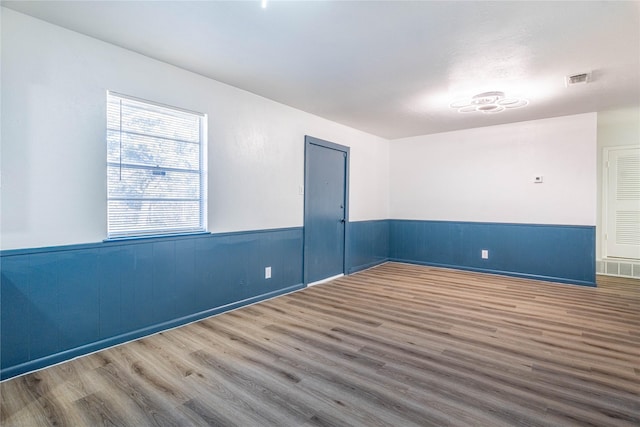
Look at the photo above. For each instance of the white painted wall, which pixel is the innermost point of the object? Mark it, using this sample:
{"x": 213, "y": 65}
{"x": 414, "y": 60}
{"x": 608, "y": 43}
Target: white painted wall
{"x": 54, "y": 84}
{"x": 616, "y": 128}
{"x": 486, "y": 174}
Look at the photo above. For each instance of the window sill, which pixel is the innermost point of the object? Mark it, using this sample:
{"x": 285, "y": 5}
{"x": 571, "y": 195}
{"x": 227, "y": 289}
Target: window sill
{"x": 155, "y": 237}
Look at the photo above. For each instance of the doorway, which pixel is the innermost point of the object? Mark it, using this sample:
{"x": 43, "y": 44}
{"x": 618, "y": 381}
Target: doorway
{"x": 326, "y": 183}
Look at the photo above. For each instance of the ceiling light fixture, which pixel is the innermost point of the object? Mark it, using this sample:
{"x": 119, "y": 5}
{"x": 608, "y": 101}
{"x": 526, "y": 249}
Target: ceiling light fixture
{"x": 489, "y": 102}
{"x": 264, "y": 4}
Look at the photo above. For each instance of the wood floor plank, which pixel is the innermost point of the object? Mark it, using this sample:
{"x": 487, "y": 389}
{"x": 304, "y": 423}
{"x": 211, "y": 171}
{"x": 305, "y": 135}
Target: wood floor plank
{"x": 394, "y": 345}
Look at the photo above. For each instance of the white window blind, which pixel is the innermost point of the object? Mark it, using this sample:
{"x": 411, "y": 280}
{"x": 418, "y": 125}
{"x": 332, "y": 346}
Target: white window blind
{"x": 155, "y": 169}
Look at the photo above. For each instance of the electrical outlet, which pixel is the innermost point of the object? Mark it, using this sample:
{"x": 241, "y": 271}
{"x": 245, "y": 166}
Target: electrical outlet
{"x": 538, "y": 179}
{"x": 485, "y": 254}
{"x": 267, "y": 272}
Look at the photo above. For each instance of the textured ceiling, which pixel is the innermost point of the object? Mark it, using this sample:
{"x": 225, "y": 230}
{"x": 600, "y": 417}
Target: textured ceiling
{"x": 389, "y": 68}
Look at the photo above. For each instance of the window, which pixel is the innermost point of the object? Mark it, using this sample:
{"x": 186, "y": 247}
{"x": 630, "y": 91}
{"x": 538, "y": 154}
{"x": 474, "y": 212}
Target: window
{"x": 155, "y": 169}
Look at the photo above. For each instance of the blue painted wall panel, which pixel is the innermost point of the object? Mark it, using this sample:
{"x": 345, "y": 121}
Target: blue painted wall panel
{"x": 271, "y": 258}
{"x": 44, "y": 307}
{"x": 560, "y": 253}
{"x": 232, "y": 267}
{"x": 163, "y": 296}
{"x": 58, "y": 303}
{"x": 62, "y": 302}
{"x": 137, "y": 285}
{"x": 15, "y": 309}
{"x": 368, "y": 244}
{"x": 292, "y": 243}
{"x": 208, "y": 271}
{"x": 78, "y": 298}
{"x": 110, "y": 292}
{"x": 186, "y": 281}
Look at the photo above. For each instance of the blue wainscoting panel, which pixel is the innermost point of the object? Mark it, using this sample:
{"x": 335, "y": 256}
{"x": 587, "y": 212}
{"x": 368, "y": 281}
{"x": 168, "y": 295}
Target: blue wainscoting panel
{"x": 561, "y": 253}
{"x": 111, "y": 293}
{"x": 15, "y": 313}
{"x": 165, "y": 289}
{"x": 43, "y": 306}
{"x": 292, "y": 243}
{"x": 78, "y": 311}
{"x": 62, "y": 302}
{"x": 368, "y": 244}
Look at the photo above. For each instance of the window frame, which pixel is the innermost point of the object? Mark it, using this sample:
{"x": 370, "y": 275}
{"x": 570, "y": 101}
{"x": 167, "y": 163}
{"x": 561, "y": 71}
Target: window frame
{"x": 142, "y": 233}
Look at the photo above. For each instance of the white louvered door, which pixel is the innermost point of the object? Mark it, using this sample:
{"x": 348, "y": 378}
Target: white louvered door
{"x": 622, "y": 199}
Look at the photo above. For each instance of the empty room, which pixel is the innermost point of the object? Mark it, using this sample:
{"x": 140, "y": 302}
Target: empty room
{"x": 320, "y": 213}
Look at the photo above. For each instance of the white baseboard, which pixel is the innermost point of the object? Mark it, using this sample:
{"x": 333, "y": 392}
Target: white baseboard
{"x": 328, "y": 279}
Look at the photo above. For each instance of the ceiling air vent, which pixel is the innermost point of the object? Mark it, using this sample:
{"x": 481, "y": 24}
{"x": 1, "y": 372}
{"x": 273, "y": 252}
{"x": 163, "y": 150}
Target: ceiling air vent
{"x": 576, "y": 79}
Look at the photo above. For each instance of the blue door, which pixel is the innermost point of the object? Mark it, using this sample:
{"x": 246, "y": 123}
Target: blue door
{"x": 325, "y": 209}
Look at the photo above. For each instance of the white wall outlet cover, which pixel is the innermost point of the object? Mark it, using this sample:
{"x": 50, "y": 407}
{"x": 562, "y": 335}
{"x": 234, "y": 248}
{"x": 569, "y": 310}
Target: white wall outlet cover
{"x": 267, "y": 272}
{"x": 538, "y": 179}
{"x": 485, "y": 254}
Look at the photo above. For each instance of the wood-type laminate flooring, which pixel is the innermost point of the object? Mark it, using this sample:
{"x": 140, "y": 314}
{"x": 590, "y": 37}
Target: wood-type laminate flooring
{"x": 396, "y": 345}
